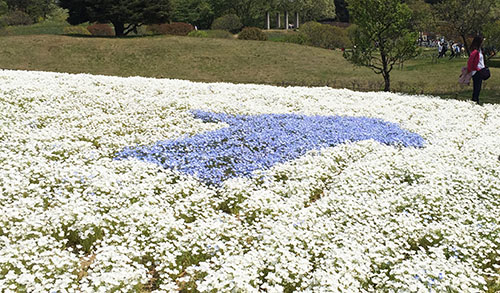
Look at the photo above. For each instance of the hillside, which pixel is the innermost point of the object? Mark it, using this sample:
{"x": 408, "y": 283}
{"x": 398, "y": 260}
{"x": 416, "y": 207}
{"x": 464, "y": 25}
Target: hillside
{"x": 222, "y": 60}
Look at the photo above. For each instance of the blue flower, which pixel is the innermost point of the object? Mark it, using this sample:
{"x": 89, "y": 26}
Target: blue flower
{"x": 260, "y": 141}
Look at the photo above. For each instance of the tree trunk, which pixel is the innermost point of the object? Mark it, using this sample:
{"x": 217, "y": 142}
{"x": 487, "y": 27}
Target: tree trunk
{"x": 466, "y": 45}
{"x": 385, "y": 69}
{"x": 119, "y": 28}
{"x": 387, "y": 82}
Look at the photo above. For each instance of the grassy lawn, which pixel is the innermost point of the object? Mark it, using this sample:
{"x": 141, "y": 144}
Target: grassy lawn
{"x": 222, "y": 60}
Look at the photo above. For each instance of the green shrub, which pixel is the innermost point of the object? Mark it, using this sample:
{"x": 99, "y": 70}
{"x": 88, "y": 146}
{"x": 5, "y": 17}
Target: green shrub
{"x": 219, "y": 34}
{"x": 101, "y": 30}
{"x": 57, "y": 14}
{"x": 228, "y": 22}
{"x": 17, "y": 17}
{"x": 300, "y": 39}
{"x": 174, "y": 28}
{"x": 76, "y": 30}
{"x": 252, "y": 33}
{"x": 214, "y": 34}
{"x": 198, "y": 34}
{"x": 325, "y": 36}
{"x": 276, "y": 36}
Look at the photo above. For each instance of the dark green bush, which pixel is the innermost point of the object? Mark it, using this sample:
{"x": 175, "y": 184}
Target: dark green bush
{"x": 325, "y": 36}
{"x": 228, "y": 22}
{"x": 252, "y": 33}
{"x": 17, "y": 17}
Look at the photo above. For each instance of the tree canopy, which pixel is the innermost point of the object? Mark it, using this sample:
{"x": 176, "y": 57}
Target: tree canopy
{"x": 125, "y": 15}
{"x": 196, "y": 12}
{"x": 251, "y": 12}
{"x": 3, "y": 7}
{"x": 465, "y": 18}
{"x": 341, "y": 10}
{"x": 36, "y": 9}
{"x": 383, "y": 35}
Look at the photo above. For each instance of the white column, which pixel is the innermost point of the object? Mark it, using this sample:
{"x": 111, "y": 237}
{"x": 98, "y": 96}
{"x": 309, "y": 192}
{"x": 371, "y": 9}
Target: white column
{"x": 268, "y": 21}
{"x": 297, "y": 20}
{"x": 278, "y": 20}
{"x": 286, "y": 20}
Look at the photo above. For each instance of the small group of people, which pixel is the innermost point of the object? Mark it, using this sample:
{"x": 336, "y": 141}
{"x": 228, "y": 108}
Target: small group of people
{"x": 475, "y": 69}
{"x": 456, "y": 49}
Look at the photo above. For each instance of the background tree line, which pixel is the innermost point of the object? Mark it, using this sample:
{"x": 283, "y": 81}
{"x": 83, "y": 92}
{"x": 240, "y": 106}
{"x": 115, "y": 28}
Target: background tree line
{"x": 23, "y": 12}
{"x": 457, "y": 19}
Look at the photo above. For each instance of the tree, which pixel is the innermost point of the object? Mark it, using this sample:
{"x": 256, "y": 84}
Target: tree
{"x": 317, "y": 9}
{"x": 252, "y": 12}
{"x": 309, "y": 9}
{"x": 125, "y": 15}
{"x": 423, "y": 17}
{"x": 3, "y": 7}
{"x": 492, "y": 34}
{"x": 36, "y": 9}
{"x": 383, "y": 35}
{"x": 3, "y": 10}
{"x": 195, "y": 12}
{"x": 341, "y": 10}
{"x": 465, "y": 18}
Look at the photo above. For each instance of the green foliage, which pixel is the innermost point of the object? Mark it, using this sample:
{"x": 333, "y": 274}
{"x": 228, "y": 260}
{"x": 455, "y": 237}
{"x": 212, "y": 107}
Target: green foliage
{"x": 492, "y": 35}
{"x": 196, "y": 12}
{"x": 220, "y": 34}
{"x": 215, "y": 34}
{"x": 252, "y": 33}
{"x": 383, "y": 36}
{"x": 17, "y": 17}
{"x": 287, "y": 37}
{"x": 228, "y": 22}
{"x": 37, "y": 10}
{"x": 308, "y": 9}
{"x": 3, "y": 7}
{"x": 76, "y": 30}
{"x": 463, "y": 18}
{"x": 57, "y": 15}
{"x": 174, "y": 28}
{"x": 300, "y": 39}
{"x": 341, "y": 10}
{"x": 41, "y": 28}
{"x": 316, "y": 9}
{"x": 101, "y": 30}
{"x": 198, "y": 34}
{"x": 324, "y": 36}
{"x": 422, "y": 15}
{"x": 125, "y": 15}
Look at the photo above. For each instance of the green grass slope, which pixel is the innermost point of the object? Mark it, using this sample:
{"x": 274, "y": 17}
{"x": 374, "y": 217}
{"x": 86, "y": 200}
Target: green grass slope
{"x": 223, "y": 60}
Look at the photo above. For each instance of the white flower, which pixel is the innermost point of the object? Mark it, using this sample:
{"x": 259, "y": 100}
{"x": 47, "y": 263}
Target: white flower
{"x": 337, "y": 219}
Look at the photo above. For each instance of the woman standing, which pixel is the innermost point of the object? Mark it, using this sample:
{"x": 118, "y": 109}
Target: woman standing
{"x": 474, "y": 65}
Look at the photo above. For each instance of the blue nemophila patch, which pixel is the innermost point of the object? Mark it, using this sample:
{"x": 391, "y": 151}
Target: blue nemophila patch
{"x": 253, "y": 142}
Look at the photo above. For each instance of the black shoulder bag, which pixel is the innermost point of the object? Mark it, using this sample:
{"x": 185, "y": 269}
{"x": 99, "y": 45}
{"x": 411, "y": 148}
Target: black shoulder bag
{"x": 484, "y": 73}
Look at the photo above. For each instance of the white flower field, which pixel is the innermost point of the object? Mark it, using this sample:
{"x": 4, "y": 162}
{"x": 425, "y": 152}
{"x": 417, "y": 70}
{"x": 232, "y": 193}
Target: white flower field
{"x": 361, "y": 216}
